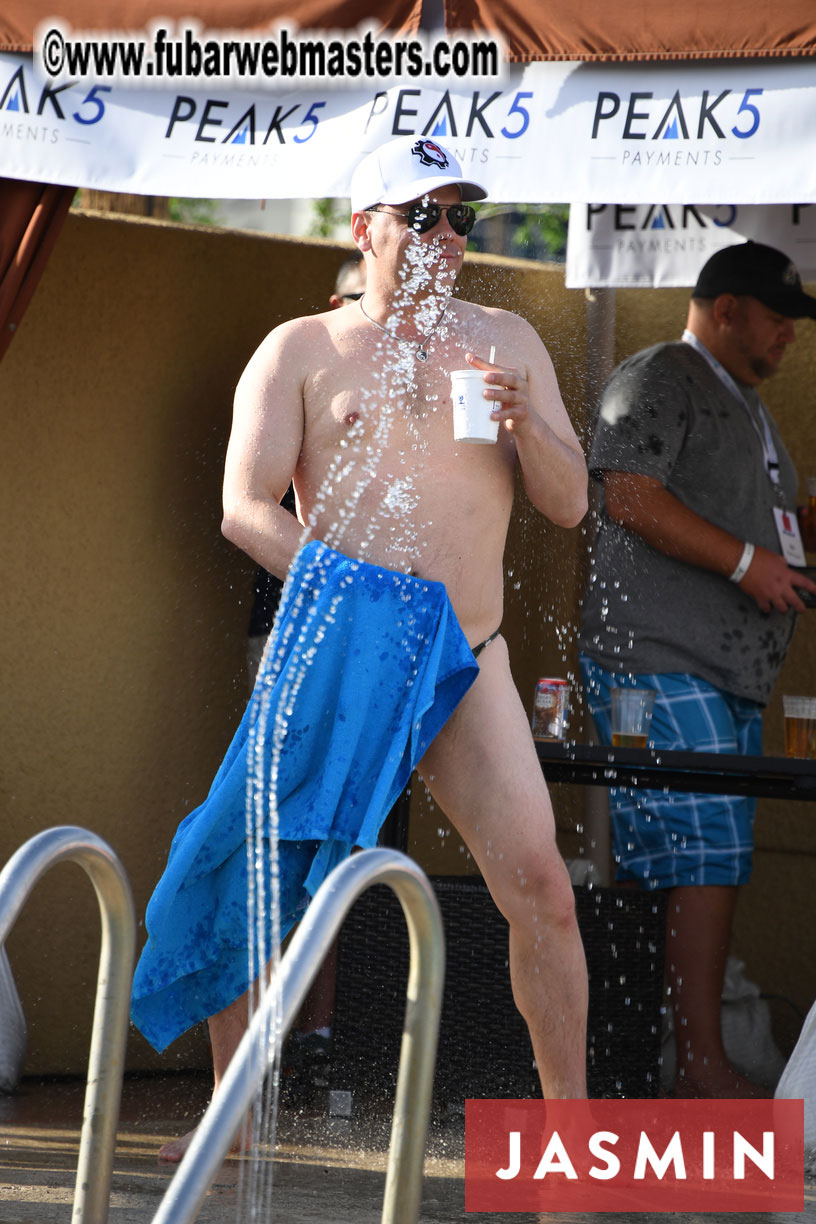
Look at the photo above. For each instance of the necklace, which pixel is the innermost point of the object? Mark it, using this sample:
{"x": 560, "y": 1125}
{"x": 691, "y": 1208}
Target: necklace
{"x": 421, "y": 350}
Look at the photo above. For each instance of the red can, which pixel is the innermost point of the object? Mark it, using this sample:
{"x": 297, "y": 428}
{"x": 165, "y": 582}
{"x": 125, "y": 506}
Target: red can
{"x": 550, "y": 708}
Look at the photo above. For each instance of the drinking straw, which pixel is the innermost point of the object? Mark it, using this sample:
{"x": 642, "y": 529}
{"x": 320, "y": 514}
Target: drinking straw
{"x": 492, "y": 359}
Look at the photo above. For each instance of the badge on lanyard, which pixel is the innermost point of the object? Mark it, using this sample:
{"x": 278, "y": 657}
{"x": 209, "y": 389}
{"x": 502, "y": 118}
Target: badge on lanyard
{"x": 790, "y": 540}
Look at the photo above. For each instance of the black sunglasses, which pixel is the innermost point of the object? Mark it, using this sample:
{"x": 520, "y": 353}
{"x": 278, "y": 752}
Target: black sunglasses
{"x": 423, "y": 217}
{"x": 350, "y": 297}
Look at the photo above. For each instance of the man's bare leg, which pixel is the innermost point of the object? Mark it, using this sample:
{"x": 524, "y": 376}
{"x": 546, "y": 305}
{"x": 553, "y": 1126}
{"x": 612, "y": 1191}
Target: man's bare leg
{"x": 227, "y": 1028}
{"x": 484, "y": 773}
{"x": 698, "y": 929}
{"x": 318, "y": 1007}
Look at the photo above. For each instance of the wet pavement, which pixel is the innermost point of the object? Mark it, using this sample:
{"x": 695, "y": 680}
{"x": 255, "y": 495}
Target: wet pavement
{"x": 324, "y": 1169}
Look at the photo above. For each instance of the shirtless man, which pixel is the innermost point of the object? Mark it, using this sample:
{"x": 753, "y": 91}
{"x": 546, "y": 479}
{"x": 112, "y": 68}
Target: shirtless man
{"x": 370, "y": 383}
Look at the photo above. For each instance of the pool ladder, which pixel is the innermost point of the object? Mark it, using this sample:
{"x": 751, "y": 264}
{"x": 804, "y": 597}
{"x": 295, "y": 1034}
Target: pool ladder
{"x": 106, "y": 1062}
{"x": 298, "y": 968}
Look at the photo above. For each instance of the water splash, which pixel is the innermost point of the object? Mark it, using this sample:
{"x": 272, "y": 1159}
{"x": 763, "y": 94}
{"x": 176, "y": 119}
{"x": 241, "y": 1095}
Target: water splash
{"x": 365, "y": 459}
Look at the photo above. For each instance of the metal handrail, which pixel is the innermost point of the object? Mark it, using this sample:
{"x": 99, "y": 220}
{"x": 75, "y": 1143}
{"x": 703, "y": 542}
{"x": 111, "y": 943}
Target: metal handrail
{"x": 299, "y": 966}
{"x": 110, "y": 1023}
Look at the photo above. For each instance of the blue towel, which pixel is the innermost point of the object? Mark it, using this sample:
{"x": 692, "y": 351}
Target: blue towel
{"x": 363, "y": 669}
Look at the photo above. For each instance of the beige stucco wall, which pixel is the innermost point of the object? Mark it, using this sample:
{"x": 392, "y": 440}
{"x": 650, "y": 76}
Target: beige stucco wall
{"x": 124, "y": 609}
{"x": 125, "y": 612}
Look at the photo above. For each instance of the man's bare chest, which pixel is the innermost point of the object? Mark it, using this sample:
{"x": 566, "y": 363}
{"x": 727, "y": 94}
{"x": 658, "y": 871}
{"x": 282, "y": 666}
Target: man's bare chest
{"x": 389, "y": 388}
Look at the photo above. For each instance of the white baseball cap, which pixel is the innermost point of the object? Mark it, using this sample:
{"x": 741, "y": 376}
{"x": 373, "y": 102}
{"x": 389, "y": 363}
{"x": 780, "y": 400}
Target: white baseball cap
{"x": 405, "y": 169}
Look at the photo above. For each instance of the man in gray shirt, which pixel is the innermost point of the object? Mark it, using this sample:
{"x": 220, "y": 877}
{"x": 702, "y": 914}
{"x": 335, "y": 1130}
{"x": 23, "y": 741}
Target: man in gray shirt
{"x": 689, "y": 594}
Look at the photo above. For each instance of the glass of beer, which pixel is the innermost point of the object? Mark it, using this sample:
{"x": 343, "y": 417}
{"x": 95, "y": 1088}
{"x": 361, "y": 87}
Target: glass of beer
{"x": 631, "y": 716}
{"x": 800, "y": 726}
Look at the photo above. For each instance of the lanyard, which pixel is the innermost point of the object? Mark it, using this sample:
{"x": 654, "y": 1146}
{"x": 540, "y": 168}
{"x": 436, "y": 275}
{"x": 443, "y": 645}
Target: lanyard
{"x": 769, "y": 452}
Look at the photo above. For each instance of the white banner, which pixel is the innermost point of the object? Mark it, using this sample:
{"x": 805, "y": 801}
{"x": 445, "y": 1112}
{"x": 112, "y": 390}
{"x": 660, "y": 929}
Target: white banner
{"x": 664, "y": 245}
{"x": 734, "y": 130}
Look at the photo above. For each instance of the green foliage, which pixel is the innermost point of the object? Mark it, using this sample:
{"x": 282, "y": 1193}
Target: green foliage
{"x": 524, "y": 231}
{"x": 545, "y": 224}
{"x": 329, "y": 215}
{"x": 194, "y": 212}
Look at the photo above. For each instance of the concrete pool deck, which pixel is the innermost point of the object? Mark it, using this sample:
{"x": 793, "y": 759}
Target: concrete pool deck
{"x": 326, "y": 1170}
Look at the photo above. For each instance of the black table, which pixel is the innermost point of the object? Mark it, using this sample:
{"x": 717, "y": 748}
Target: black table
{"x": 652, "y": 768}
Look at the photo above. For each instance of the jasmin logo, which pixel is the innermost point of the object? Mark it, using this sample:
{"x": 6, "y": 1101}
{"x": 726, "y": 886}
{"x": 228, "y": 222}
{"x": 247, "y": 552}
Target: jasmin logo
{"x": 634, "y": 1155}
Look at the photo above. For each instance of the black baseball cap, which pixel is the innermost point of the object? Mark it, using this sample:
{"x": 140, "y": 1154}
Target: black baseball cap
{"x": 759, "y": 271}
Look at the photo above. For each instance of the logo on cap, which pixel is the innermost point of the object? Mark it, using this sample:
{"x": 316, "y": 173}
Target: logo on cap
{"x": 790, "y": 277}
{"x": 430, "y": 154}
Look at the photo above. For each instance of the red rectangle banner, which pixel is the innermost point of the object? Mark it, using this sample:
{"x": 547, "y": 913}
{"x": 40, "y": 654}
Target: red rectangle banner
{"x": 633, "y": 1155}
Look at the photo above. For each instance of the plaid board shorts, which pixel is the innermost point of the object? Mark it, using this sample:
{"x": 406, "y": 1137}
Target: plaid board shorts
{"x": 661, "y": 839}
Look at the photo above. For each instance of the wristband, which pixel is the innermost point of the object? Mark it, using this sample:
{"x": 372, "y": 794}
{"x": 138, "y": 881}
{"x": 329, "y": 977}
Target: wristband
{"x": 744, "y": 561}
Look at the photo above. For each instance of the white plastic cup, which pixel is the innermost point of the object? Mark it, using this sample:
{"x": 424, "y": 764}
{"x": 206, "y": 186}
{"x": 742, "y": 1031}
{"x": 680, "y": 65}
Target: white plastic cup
{"x": 631, "y": 716}
{"x": 471, "y": 411}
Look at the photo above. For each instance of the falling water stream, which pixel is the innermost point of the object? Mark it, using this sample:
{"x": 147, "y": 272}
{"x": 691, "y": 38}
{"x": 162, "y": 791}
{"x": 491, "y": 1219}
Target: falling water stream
{"x": 367, "y": 462}
{"x": 360, "y": 461}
